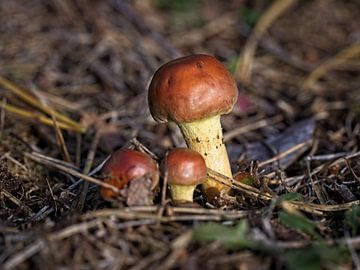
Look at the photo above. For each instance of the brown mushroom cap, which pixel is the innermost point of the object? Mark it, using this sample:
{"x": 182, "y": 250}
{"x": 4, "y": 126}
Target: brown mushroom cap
{"x": 191, "y": 88}
{"x": 123, "y": 166}
{"x": 185, "y": 167}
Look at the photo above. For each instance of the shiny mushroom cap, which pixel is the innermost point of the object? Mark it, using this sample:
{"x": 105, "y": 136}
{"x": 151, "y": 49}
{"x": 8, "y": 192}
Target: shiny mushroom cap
{"x": 185, "y": 167}
{"x": 191, "y": 88}
{"x": 123, "y": 166}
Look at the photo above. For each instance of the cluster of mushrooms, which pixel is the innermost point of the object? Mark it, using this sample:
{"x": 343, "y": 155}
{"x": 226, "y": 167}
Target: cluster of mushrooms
{"x": 192, "y": 91}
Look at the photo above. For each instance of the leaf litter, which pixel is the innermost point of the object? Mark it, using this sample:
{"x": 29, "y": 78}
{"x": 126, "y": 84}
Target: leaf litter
{"x": 90, "y": 63}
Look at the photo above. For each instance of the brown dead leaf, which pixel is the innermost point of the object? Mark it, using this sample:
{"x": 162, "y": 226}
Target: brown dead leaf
{"x": 139, "y": 192}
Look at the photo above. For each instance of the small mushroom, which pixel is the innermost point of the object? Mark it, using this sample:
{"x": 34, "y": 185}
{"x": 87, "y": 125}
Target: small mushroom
{"x": 194, "y": 91}
{"x": 185, "y": 170}
{"x": 245, "y": 178}
{"x": 125, "y": 165}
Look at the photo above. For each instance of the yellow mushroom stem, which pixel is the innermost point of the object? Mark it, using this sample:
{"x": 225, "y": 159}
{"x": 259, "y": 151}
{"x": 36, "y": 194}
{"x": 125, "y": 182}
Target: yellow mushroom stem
{"x": 205, "y": 137}
{"x": 181, "y": 193}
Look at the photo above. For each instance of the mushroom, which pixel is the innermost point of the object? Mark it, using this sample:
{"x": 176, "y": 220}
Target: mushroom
{"x": 194, "y": 91}
{"x": 245, "y": 178}
{"x": 185, "y": 170}
{"x": 125, "y": 165}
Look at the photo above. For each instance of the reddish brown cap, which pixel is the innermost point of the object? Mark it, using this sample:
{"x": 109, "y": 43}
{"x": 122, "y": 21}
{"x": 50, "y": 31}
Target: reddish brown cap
{"x": 185, "y": 167}
{"x": 191, "y": 88}
{"x": 123, "y": 166}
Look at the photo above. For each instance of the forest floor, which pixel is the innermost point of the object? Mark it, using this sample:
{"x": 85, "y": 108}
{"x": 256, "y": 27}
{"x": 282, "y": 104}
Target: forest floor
{"x": 295, "y": 129}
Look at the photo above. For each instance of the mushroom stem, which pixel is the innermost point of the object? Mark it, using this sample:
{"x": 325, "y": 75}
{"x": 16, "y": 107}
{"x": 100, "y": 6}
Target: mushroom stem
{"x": 181, "y": 193}
{"x": 205, "y": 137}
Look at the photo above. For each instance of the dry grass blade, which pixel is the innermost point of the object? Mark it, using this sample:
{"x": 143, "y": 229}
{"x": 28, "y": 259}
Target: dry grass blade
{"x": 70, "y": 171}
{"x": 88, "y": 164}
{"x": 35, "y": 116}
{"x": 246, "y": 189}
{"x": 57, "y": 161}
{"x": 189, "y": 210}
{"x": 283, "y": 154}
{"x": 21, "y": 93}
{"x": 13, "y": 160}
{"x": 211, "y": 28}
{"x": 130, "y": 214}
{"x": 143, "y": 148}
{"x": 178, "y": 246}
{"x": 29, "y": 251}
{"x": 16, "y": 201}
{"x": 252, "y": 126}
{"x": 73, "y": 229}
{"x": 316, "y": 209}
{"x": 244, "y": 66}
{"x": 324, "y": 208}
{"x": 61, "y": 142}
{"x": 2, "y": 116}
{"x": 339, "y": 59}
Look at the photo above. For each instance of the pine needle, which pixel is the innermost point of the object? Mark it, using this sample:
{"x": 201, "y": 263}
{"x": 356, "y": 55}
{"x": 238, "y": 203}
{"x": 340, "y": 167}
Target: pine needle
{"x": 339, "y": 59}
{"x": 26, "y": 97}
{"x": 35, "y": 116}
